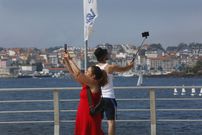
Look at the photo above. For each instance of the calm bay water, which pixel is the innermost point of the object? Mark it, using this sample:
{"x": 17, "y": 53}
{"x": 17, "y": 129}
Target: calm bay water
{"x": 123, "y": 128}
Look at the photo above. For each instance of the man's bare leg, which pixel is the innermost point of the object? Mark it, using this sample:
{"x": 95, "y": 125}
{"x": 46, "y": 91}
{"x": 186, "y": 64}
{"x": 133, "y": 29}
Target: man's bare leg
{"x": 111, "y": 127}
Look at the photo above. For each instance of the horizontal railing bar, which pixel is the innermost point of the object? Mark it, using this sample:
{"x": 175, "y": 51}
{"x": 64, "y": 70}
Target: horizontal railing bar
{"x": 158, "y": 99}
{"x": 68, "y": 110}
{"x": 179, "y": 109}
{"x": 137, "y": 120}
{"x": 27, "y": 111}
{"x": 24, "y": 122}
{"x": 69, "y": 100}
{"x": 180, "y": 120}
{"x": 145, "y": 120}
{"x": 137, "y": 110}
{"x": 132, "y": 110}
{"x": 67, "y": 121}
{"x": 157, "y": 87}
{"x": 133, "y": 99}
{"x": 76, "y": 100}
{"x": 73, "y": 121}
{"x": 136, "y": 99}
{"x": 78, "y": 88}
{"x": 39, "y": 89}
{"x": 179, "y": 98}
{"x": 73, "y": 110}
{"x": 184, "y": 109}
{"x": 24, "y": 101}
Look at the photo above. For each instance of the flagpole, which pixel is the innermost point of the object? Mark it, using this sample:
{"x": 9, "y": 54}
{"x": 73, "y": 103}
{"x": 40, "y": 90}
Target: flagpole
{"x": 86, "y": 55}
{"x": 90, "y": 14}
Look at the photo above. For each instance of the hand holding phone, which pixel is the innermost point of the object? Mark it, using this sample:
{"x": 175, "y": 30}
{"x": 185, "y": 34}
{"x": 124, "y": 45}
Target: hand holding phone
{"x": 66, "y": 53}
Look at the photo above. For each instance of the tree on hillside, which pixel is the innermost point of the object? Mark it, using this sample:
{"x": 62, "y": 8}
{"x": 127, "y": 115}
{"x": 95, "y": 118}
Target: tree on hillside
{"x": 181, "y": 46}
{"x": 157, "y": 46}
{"x": 39, "y": 66}
{"x": 198, "y": 67}
{"x": 51, "y": 49}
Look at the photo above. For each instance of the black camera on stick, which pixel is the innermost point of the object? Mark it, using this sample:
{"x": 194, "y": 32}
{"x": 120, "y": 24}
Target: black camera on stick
{"x": 145, "y": 34}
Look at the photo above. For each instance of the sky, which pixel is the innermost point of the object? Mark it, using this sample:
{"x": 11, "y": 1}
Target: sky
{"x": 49, "y": 23}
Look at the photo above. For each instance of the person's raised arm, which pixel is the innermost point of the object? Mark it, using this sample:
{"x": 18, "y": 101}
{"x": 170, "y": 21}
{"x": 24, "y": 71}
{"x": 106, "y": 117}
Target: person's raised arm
{"x": 116, "y": 68}
{"x": 76, "y": 72}
{"x": 67, "y": 65}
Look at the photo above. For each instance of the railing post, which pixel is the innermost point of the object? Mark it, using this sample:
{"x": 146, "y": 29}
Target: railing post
{"x": 56, "y": 112}
{"x": 153, "y": 111}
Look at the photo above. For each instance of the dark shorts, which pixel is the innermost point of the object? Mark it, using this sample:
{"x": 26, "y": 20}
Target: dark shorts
{"x": 110, "y": 106}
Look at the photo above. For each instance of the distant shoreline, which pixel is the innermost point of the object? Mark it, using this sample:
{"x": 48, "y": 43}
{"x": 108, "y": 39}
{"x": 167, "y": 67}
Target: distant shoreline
{"x": 176, "y": 75}
{"x": 162, "y": 75}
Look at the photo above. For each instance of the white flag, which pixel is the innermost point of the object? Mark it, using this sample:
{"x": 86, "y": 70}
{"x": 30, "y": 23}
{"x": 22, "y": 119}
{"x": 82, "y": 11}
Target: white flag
{"x": 90, "y": 14}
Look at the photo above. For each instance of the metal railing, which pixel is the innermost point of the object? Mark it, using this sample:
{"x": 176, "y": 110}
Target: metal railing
{"x": 56, "y": 108}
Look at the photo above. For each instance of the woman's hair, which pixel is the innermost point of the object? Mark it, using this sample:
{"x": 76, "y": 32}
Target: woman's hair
{"x": 100, "y": 54}
{"x": 100, "y": 75}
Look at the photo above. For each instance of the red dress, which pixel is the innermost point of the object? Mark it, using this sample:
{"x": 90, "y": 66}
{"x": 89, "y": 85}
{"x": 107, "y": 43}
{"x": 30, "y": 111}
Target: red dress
{"x": 85, "y": 123}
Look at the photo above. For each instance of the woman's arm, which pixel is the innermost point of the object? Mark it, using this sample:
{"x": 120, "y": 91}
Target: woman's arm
{"x": 75, "y": 68}
{"x": 76, "y": 73}
{"x": 68, "y": 66}
{"x": 71, "y": 66}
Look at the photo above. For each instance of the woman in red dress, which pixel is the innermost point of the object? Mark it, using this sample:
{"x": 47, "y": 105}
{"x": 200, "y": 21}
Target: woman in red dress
{"x": 93, "y": 78}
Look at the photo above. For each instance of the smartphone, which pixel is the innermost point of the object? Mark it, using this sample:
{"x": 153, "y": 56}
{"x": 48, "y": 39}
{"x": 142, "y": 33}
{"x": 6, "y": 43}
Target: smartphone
{"x": 65, "y": 47}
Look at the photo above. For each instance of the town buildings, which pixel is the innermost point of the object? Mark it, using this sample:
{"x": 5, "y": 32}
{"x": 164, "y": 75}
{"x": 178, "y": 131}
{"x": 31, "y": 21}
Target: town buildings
{"x": 151, "y": 60}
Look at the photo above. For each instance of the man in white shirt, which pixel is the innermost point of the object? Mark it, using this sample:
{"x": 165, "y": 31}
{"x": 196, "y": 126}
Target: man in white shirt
{"x": 108, "y": 95}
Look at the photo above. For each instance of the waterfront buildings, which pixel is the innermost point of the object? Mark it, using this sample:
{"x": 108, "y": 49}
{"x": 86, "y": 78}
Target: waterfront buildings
{"x": 152, "y": 59}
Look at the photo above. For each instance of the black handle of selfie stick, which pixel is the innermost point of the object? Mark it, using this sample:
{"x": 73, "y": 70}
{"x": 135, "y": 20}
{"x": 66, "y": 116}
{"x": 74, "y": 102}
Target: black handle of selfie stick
{"x": 139, "y": 49}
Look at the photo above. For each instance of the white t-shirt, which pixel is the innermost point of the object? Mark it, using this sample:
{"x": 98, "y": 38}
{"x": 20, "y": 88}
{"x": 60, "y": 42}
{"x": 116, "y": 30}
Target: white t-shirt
{"x": 107, "y": 90}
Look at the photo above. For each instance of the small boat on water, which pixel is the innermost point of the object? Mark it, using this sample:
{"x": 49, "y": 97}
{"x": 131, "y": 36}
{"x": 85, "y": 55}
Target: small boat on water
{"x": 42, "y": 76}
{"x": 33, "y": 75}
{"x": 127, "y": 74}
{"x": 24, "y": 76}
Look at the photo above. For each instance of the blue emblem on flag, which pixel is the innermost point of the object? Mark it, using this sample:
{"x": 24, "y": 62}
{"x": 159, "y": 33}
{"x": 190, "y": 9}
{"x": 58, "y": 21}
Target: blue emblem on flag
{"x": 90, "y": 17}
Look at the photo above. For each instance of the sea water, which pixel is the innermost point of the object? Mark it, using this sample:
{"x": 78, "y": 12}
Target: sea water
{"x": 122, "y": 128}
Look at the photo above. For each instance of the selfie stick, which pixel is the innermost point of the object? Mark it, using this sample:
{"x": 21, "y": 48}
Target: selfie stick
{"x": 145, "y": 35}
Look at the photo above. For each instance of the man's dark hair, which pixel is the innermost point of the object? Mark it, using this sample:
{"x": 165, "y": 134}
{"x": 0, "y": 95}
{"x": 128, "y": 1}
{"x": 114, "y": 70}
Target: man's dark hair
{"x": 100, "y": 54}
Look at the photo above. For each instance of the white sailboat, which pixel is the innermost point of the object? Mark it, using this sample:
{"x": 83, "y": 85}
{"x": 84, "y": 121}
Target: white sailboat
{"x": 140, "y": 79}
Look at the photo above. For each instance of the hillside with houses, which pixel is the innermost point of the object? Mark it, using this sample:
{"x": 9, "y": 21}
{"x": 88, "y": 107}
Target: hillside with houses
{"x": 153, "y": 59}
